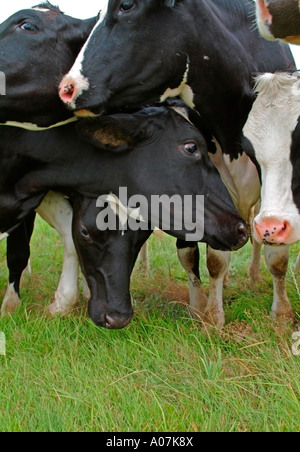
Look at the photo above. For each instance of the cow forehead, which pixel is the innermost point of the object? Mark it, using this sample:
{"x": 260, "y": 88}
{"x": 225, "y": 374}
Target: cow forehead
{"x": 37, "y": 12}
{"x": 274, "y": 115}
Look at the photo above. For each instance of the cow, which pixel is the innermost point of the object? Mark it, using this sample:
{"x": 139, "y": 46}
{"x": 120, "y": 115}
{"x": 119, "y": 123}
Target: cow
{"x": 273, "y": 129}
{"x": 207, "y": 56}
{"x": 29, "y": 45}
{"x": 246, "y": 194}
{"x": 279, "y": 19}
{"x": 209, "y": 62}
{"x": 152, "y": 152}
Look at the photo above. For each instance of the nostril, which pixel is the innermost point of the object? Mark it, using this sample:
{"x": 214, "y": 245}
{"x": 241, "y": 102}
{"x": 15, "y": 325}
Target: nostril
{"x": 67, "y": 92}
{"x": 243, "y": 231}
{"x": 69, "y": 89}
{"x": 117, "y": 323}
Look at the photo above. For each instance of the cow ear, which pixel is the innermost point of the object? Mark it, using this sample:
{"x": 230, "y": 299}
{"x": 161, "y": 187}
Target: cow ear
{"x": 116, "y": 133}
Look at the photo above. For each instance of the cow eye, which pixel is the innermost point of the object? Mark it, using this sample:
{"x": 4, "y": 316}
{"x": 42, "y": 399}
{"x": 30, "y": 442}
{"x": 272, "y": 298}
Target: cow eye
{"x": 191, "y": 147}
{"x": 126, "y": 6}
{"x": 27, "y": 26}
{"x": 84, "y": 233}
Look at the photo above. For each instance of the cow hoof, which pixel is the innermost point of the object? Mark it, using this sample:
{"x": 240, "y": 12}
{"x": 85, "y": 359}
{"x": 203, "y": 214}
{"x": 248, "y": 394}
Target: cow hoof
{"x": 283, "y": 317}
{"x": 62, "y": 304}
{"x": 11, "y": 302}
{"x": 214, "y": 319}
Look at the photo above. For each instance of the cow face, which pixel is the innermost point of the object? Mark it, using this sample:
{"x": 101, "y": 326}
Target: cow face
{"x": 107, "y": 259}
{"x": 273, "y": 129}
{"x": 142, "y": 83}
{"x": 162, "y": 161}
{"x": 37, "y": 46}
{"x": 279, "y": 19}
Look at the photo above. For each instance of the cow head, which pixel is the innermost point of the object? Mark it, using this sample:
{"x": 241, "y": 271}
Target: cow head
{"x": 273, "y": 128}
{"x": 37, "y": 46}
{"x": 151, "y": 66}
{"x": 107, "y": 259}
{"x": 162, "y": 161}
{"x": 155, "y": 152}
{"x": 279, "y": 19}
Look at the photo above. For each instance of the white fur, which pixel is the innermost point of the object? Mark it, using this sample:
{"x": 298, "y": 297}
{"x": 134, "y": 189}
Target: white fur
{"x": 183, "y": 90}
{"x": 264, "y": 30}
{"x": 11, "y": 301}
{"x": 56, "y": 210}
{"x": 270, "y": 125}
{"x": 120, "y": 210}
{"x": 75, "y": 75}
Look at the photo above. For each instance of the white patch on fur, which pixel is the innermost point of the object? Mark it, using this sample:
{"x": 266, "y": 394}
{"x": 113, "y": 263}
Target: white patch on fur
{"x": 264, "y": 30}
{"x": 35, "y": 128}
{"x": 75, "y": 75}
{"x": 183, "y": 90}
{"x": 38, "y": 8}
{"x": 11, "y": 301}
{"x": 269, "y": 128}
{"x": 57, "y": 211}
{"x": 198, "y": 299}
{"x": 122, "y": 211}
{"x": 244, "y": 191}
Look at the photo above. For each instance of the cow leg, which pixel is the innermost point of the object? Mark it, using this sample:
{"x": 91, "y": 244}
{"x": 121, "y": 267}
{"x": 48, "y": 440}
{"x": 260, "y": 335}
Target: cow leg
{"x": 277, "y": 259}
{"x": 188, "y": 254}
{"x": 57, "y": 211}
{"x": 17, "y": 255}
{"x": 143, "y": 259}
{"x": 254, "y": 267}
{"x": 218, "y": 266}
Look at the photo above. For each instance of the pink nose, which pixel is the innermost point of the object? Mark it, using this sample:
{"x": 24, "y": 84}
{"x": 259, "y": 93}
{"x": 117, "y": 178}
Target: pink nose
{"x": 67, "y": 91}
{"x": 273, "y": 231}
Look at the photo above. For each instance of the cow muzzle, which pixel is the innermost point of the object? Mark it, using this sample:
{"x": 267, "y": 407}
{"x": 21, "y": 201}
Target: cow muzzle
{"x": 273, "y": 230}
{"x": 111, "y": 320}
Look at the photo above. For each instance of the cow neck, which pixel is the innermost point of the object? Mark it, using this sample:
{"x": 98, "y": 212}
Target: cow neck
{"x": 35, "y": 128}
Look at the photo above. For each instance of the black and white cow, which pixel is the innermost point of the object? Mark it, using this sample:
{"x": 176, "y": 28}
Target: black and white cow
{"x": 279, "y": 19}
{"x": 207, "y": 56}
{"x": 154, "y": 151}
{"x": 273, "y": 129}
{"x": 37, "y": 46}
{"x": 143, "y": 51}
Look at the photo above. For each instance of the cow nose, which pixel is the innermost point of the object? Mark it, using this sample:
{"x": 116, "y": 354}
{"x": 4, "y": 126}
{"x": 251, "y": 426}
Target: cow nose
{"x": 67, "y": 92}
{"x": 117, "y": 322}
{"x": 110, "y": 320}
{"x": 72, "y": 87}
{"x": 272, "y": 231}
{"x": 242, "y": 232}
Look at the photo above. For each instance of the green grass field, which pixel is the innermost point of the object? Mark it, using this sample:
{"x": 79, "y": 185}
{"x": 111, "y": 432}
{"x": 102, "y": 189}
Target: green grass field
{"x": 161, "y": 373}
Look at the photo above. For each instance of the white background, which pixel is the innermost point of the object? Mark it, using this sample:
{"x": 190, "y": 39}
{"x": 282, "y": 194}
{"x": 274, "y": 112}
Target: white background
{"x": 80, "y": 9}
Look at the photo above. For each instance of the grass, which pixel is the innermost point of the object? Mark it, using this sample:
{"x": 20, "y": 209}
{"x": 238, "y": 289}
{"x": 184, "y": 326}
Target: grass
{"x": 161, "y": 373}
